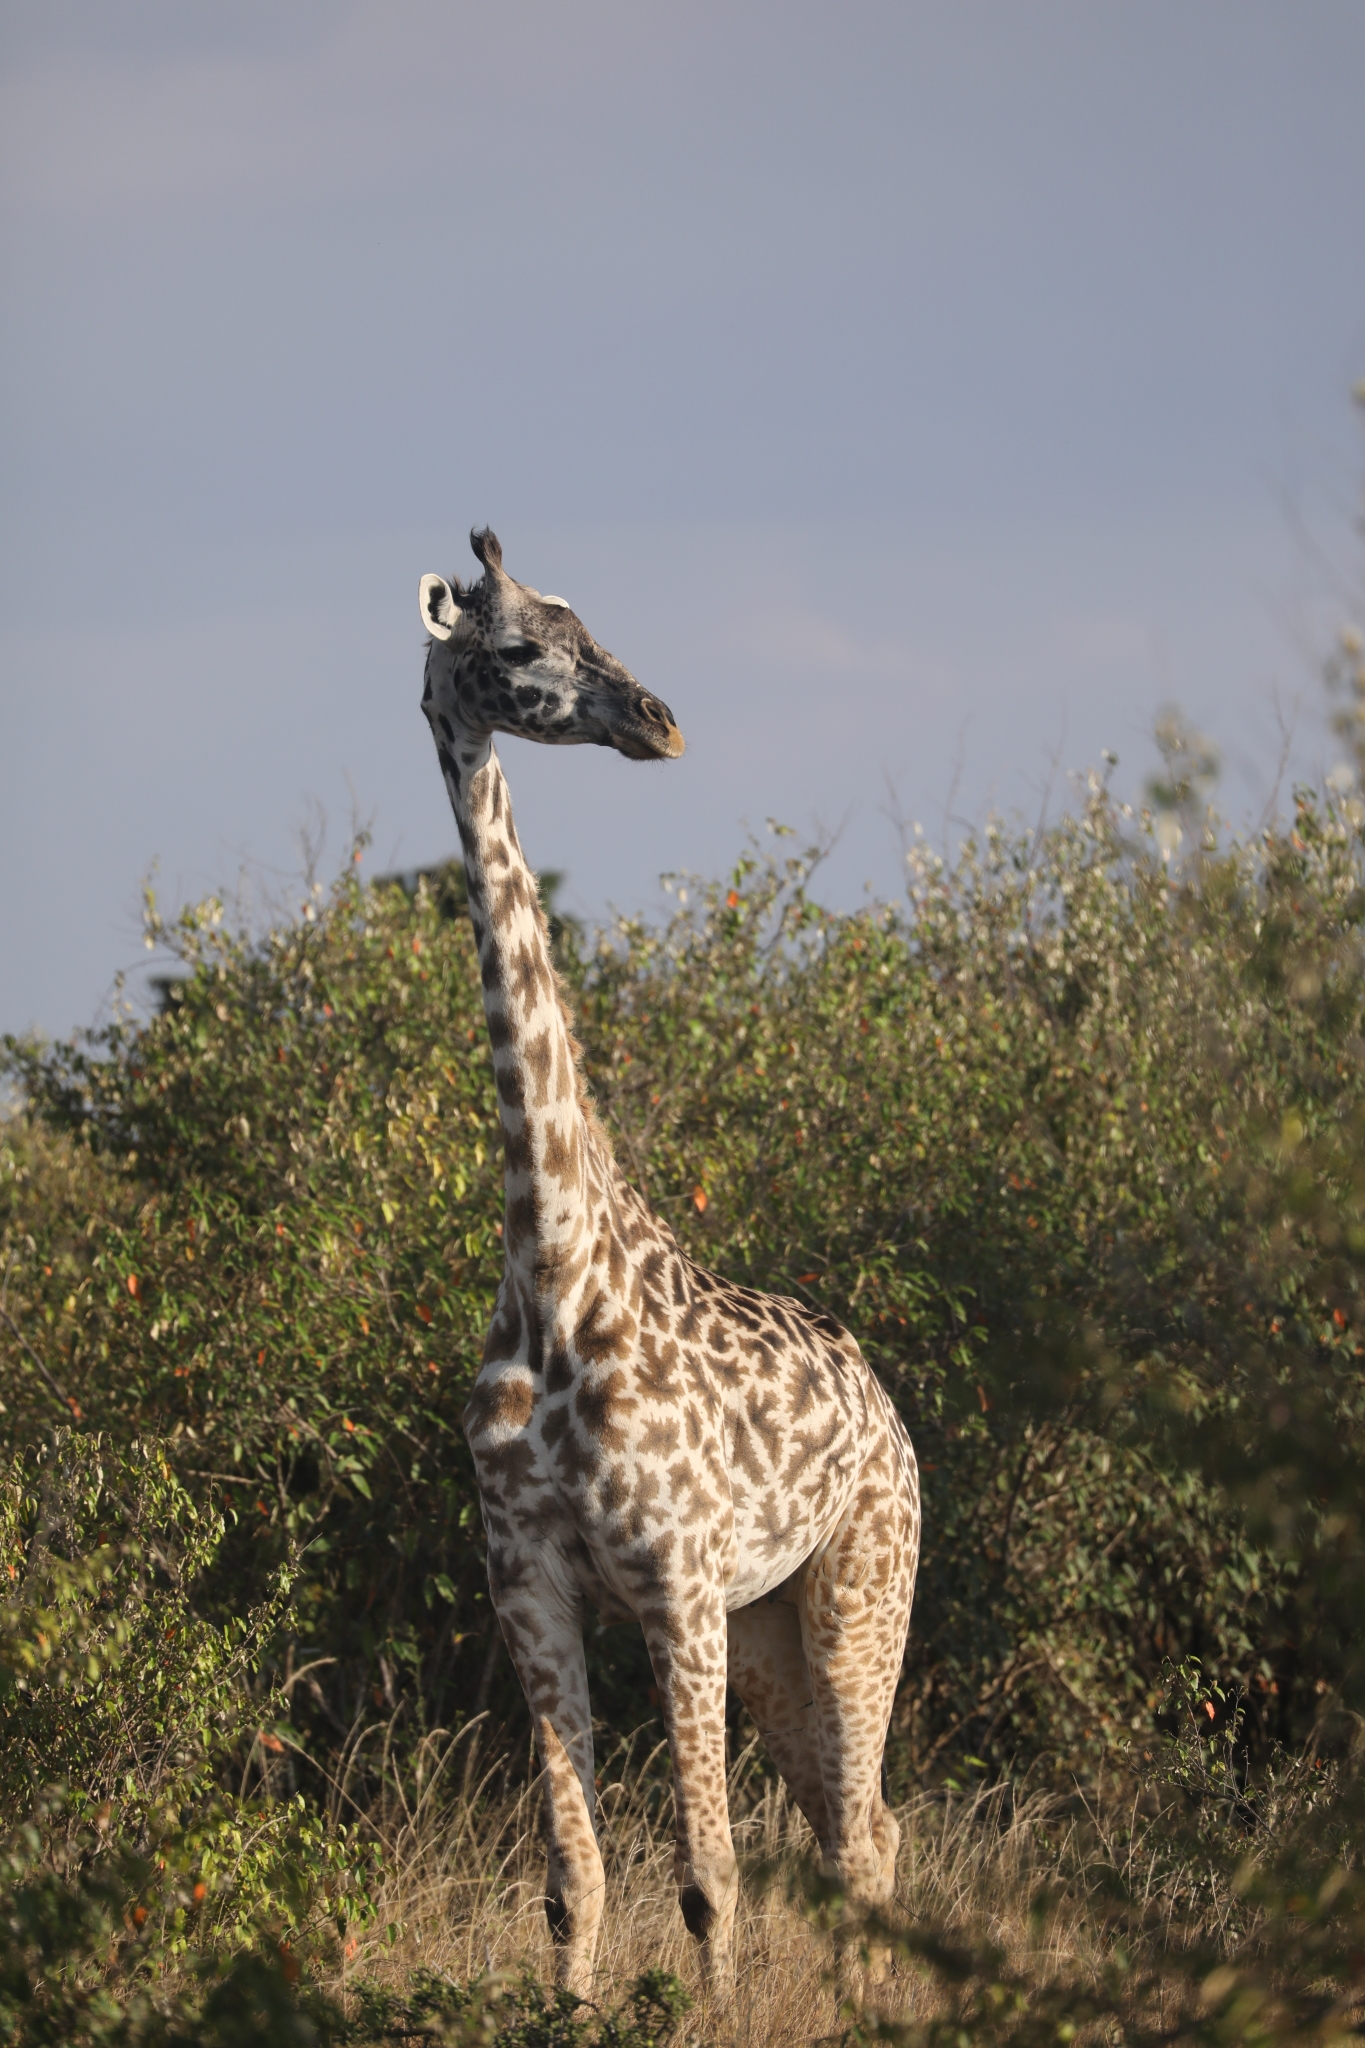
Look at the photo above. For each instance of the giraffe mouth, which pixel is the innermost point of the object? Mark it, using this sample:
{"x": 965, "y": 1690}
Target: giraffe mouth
{"x": 649, "y": 746}
{"x": 647, "y": 733}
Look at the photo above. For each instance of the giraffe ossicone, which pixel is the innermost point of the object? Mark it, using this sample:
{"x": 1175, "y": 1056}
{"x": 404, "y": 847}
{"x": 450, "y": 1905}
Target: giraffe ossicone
{"x": 649, "y": 1439}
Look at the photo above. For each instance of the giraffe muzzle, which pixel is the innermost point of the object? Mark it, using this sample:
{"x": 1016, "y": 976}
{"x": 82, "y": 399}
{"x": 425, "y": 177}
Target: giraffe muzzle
{"x": 647, "y": 732}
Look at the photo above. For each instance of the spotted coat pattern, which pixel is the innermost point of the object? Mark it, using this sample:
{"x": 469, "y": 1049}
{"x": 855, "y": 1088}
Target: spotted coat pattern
{"x": 651, "y": 1441}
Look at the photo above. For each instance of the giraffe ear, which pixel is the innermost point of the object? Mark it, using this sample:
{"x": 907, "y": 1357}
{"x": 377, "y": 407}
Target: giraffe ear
{"x": 440, "y": 613}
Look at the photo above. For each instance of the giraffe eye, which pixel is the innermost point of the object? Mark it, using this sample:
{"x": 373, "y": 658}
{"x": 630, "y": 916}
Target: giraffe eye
{"x": 521, "y": 654}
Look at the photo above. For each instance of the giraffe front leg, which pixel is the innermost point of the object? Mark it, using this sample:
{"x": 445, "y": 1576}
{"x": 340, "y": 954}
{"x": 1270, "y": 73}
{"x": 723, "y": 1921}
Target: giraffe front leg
{"x": 687, "y": 1648}
{"x": 541, "y": 1623}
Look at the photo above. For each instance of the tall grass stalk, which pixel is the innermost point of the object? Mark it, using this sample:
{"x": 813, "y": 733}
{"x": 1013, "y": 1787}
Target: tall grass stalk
{"x": 464, "y": 1894}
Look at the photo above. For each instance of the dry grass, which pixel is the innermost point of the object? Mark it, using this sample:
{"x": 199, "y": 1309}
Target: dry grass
{"x": 465, "y": 1894}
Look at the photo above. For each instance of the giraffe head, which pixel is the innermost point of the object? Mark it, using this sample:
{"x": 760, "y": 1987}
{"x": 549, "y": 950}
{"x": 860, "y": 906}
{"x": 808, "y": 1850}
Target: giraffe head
{"x": 505, "y": 659}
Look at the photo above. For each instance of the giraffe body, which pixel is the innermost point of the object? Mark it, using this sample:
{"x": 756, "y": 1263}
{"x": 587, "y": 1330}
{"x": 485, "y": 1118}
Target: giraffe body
{"x": 649, "y": 1440}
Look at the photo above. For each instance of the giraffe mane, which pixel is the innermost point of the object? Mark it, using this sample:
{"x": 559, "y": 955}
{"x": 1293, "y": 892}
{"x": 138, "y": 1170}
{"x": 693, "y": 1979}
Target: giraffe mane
{"x": 582, "y": 1093}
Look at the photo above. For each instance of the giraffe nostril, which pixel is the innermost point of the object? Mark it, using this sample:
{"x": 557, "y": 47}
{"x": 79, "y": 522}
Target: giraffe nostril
{"x": 655, "y": 712}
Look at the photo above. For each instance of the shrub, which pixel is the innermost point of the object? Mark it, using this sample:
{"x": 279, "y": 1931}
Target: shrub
{"x": 132, "y": 1856}
{"x": 1042, "y": 1138}
{"x": 519, "y": 2014}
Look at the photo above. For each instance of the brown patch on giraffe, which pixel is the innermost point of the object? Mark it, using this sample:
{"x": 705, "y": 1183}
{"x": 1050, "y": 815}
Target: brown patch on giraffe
{"x": 694, "y": 1428}
{"x": 648, "y": 1569}
{"x": 606, "y": 1331}
{"x": 537, "y": 1060}
{"x": 806, "y": 1389}
{"x": 690, "y": 1322}
{"x": 618, "y": 1271}
{"x": 513, "y": 1463}
{"x": 504, "y": 1332}
{"x": 742, "y": 1314}
{"x": 657, "y": 1370}
{"x": 516, "y": 1147}
{"x": 561, "y": 1157}
{"x": 693, "y": 1503}
{"x": 764, "y": 1417}
{"x": 503, "y": 1403}
{"x": 614, "y": 1493}
{"x": 520, "y": 1226}
{"x": 554, "y": 1422}
{"x": 575, "y": 1458}
{"x": 510, "y": 897}
{"x": 511, "y": 1089}
{"x": 527, "y": 976}
{"x": 644, "y": 1506}
{"x": 744, "y": 1455}
{"x": 598, "y": 1405}
{"x": 559, "y": 1268}
{"x": 559, "y": 1371}
{"x": 659, "y": 1438}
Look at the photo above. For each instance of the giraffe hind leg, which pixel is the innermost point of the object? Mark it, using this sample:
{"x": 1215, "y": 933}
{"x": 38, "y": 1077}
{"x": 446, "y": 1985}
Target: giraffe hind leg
{"x": 855, "y": 1615}
{"x": 768, "y": 1669}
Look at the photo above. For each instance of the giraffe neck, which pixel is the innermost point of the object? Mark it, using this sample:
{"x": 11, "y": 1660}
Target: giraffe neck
{"x": 546, "y": 1136}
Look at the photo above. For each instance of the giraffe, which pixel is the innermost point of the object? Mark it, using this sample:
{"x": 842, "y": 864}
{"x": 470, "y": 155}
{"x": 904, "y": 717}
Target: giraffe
{"x": 648, "y": 1439}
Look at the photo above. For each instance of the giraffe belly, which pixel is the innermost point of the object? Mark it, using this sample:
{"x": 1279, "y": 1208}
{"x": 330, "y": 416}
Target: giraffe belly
{"x": 611, "y": 1602}
{"x": 774, "y": 1537}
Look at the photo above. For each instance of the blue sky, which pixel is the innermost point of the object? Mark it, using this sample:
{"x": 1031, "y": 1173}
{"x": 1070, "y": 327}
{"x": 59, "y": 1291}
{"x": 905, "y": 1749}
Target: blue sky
{"x": 916, "y": 397}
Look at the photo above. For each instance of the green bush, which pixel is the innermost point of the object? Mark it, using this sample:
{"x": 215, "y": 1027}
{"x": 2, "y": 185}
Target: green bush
{"x": 285, "y": 1267}
{"x": 497, "y": 2014}
{"x": 1024, "y": 1135}
{"x": 139, "y": 1842}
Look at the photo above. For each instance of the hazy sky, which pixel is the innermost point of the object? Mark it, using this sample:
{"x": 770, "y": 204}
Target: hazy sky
{"x": 913, "y": 396}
